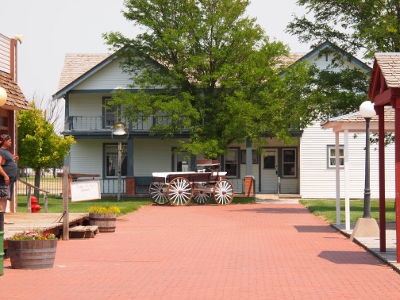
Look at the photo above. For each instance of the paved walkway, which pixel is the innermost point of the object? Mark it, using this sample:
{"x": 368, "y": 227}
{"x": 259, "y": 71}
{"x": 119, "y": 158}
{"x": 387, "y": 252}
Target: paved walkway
{"x": 258, "y": 251}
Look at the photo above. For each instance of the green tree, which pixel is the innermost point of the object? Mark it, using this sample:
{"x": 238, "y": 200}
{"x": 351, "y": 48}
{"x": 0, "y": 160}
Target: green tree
{"x": 356, "y": 26}
{"x": 221, "y": 76}
{"x": 38, "y": 145}
{"x": 360, "y": 28}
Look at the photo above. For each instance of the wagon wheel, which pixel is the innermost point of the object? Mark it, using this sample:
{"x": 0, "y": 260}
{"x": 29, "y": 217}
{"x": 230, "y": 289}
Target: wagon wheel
{"x": 158, "y": 193}
{"x": 201, "y": 197}
{"x": 223, "y": 192}
{"x": 179, "y": 191}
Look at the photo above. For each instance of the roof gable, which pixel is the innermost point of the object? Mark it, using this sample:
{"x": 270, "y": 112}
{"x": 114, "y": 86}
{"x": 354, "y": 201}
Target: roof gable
{"x": 78, "y": 67}
{"x": 335, "y": 48}
{"x": 385, "y": 81}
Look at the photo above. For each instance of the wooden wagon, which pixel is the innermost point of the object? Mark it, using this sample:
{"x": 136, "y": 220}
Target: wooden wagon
{"x": 178, "y": 188}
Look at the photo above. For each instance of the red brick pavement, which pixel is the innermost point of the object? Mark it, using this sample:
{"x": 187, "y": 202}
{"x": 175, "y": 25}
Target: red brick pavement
{"x": 260, "y": 251}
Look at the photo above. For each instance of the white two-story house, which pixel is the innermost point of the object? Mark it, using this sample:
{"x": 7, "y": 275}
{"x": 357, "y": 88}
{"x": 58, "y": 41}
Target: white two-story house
{"x": 88, "y": 82}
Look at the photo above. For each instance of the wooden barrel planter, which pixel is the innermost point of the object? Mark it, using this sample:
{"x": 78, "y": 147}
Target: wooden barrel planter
{"x": 32, "y": 254}
{"x": 105, "y": 222}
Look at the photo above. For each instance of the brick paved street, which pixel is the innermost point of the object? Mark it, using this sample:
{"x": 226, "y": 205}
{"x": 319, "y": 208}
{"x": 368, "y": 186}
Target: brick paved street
{"x": 259, "y": 251}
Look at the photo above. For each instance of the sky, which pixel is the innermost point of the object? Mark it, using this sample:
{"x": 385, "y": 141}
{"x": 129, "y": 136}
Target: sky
{"x": 53, "y": 28}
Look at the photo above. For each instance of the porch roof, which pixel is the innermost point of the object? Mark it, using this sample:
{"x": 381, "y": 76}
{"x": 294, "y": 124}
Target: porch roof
{"x": 354, "y": 122}
{"x": 385, "y": 81}
{"x": 15, "y": 98}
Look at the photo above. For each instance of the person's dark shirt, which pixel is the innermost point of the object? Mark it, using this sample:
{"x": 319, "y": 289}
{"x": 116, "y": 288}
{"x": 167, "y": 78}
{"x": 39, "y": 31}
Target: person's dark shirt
{"x": 10, "y": 167}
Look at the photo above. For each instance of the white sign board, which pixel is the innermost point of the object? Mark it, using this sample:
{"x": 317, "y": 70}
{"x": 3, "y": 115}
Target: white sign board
{"x": 85, "y": 190}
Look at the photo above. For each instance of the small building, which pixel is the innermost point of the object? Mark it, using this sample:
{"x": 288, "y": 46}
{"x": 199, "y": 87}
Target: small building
{"x": 15, "y": 98}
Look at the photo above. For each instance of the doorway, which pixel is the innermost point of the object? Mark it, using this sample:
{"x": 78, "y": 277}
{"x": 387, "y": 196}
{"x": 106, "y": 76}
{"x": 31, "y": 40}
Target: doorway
{"x": 269, "y": 172}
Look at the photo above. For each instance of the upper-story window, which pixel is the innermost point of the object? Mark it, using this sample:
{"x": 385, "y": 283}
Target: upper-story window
{"x": 110, "y": 115}
{"x": 332, "y": 156}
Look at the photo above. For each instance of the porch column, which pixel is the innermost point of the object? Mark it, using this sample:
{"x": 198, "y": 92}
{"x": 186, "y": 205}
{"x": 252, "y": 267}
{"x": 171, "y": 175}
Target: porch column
{"x": 382, "y": 204}
{"x": 337, "y": 169}
{"x": 249, "y": 178}
{"x": 130, "y": 181}
{"x": 346, "y": 179}
{"x": 249, "y": 158}
{"x": 397, "y": 176}
{"x": 129, "y": 156}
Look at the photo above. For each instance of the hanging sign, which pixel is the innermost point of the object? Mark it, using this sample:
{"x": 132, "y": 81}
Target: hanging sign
{"x": 83, "y": 190}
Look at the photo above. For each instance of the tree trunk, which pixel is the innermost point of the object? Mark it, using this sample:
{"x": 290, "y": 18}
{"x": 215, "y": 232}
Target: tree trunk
{"x": 37, "y": 182}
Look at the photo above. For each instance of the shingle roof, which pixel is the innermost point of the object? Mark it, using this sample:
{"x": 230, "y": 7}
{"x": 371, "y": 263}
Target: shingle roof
{"x": 389, "y": 63}
{"x": 75, "y": 65}
{"x": 15, "y": 98}
{"x": 356, "y": 117}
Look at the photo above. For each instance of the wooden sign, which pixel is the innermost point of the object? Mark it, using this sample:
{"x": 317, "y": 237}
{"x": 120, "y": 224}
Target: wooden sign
{"x": 83, "y": 190}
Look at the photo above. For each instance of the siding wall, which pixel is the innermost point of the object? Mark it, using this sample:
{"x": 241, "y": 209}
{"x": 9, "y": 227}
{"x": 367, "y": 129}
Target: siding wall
{"x": 317, "y": 181}
{"x": 86, "y": 156}
{"x": 109, "y": 77}
{"x": 150, "y": 155}
{"x": 4, "y": 54}
{"x": 85, "y": 104}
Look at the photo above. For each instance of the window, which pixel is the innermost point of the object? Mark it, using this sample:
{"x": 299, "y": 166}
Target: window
{"x": 289, "y": 162}
{"x": 231, "y": 163}
{"x": 269, "y": 162}
{"x": 111, "y": 160}
{"x": 332, "y": 156}
{"x": 182, "y": 163}
{"x": 110, "y": 115}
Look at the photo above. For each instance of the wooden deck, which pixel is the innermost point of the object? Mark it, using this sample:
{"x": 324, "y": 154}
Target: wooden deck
{"x": 51, "y": 222}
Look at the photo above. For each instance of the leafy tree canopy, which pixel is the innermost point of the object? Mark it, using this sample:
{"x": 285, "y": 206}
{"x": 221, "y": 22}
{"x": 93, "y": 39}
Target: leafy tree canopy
{"x": 38, "y": 146}
{"x": 359, "y": 27}
{"x": 206, "y": 67}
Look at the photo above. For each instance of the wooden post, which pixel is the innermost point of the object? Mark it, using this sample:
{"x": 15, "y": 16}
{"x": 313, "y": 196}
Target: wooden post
{"x": 29, "y": 200}
{"x": 45, "y": 204}
{"x": 65, "y": 189}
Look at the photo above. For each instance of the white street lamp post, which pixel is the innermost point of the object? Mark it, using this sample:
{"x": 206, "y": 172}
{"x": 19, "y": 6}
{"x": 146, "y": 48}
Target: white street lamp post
{"x": 366, "y": 226}
{"x": 367, "y": 110}
{"x": 119, "y": 129}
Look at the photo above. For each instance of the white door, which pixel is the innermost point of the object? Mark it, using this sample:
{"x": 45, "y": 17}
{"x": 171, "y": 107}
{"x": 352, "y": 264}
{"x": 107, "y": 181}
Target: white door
{"x": 269, "y": 172}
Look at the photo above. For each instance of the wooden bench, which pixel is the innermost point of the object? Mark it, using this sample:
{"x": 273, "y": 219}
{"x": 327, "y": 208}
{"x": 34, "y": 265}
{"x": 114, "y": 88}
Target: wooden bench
{"x": 83, "y": 231}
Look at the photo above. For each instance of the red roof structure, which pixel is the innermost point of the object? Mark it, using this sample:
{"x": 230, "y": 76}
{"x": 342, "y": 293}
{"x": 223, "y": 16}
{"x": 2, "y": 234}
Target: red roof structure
{"x": 384, "y": 91}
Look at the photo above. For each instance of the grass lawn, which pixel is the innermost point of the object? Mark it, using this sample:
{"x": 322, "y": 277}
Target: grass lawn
{"x": 126, "y": 205}
{"x": 326, "y": 209}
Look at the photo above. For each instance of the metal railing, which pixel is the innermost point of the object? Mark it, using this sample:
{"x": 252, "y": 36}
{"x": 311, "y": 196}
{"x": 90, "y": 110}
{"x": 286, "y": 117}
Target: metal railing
{"x": 29, "y": 188}
{"x": 76, "y": 123}
{"x": 52, "y": 185}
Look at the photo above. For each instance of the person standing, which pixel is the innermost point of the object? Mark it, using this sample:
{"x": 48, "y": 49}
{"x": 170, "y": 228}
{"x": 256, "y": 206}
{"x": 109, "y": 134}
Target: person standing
{"x": 8, "y": 172}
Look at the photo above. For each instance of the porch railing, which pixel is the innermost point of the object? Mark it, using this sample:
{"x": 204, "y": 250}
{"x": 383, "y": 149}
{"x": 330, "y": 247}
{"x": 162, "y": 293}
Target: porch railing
{"x": 77, "y": 123}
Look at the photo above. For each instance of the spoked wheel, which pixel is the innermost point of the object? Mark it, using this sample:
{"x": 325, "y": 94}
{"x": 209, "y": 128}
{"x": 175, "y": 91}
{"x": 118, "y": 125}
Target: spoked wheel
{"x": 223, "y": 192}
{"x": 158, "y": 193}
{"x": 201, "y": 197}
{"x": 179, "y": 191}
